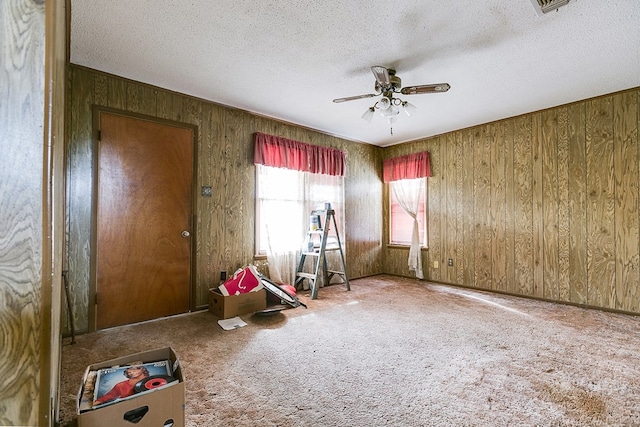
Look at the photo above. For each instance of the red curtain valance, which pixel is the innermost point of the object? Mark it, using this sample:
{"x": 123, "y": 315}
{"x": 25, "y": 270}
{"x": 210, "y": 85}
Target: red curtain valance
{"x": 279, "y": 152}
{"x": 407, "y": 167}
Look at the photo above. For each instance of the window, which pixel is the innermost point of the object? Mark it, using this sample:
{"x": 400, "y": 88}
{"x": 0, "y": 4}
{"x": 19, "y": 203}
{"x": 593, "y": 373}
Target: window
{"x": 401, "y": 223}
{"x": 292, "y": 179}
{"x": 285, "y": 199}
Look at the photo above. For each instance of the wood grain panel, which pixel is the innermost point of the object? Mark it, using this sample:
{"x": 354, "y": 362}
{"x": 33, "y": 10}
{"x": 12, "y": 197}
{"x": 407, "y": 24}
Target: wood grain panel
{"x": 577, "y": 170}
{"x": 203, "y": 223}
{"x": 22, "y": 242}
{"x": 523, "y": 212}
{"x": 458, "y": 156}
{"x": 79, "y": 195}
{"x": 117, "y": 93}
{"x": 436, "y": 209}
{"x": 213, "y": 235}
{"x": 538, "y": 212}
{"x": 563, "y": 236}
{"x": 498, "y": 208}
{"x": 101, "y": 89}
{"x": 449, "y": 230}
{"x": 233, "y": 187}
{"x": 626, "y": 174}
{"x": 600, "y": 204}
{"x": 509, "y": 188}
{"x": 468, "y": 258}
{"x": 164, "y": 105}
{"x": 482, "y": 209}
{"x": 549, "y": 151}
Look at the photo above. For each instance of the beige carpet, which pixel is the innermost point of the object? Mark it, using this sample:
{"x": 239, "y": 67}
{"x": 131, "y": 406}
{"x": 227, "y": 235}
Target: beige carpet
{"x": 392, "y": 352}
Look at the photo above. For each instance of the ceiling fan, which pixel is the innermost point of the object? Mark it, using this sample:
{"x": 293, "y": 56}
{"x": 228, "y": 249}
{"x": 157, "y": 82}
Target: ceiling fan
{"x": 387, "y": 83}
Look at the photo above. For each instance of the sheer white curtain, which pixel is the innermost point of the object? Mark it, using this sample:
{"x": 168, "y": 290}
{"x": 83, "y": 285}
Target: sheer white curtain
{"x": 285, "y": 200}
{"x": 407, "y": 193}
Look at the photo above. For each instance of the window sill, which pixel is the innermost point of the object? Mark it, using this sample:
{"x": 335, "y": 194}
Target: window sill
{"x": 396, "y": 246}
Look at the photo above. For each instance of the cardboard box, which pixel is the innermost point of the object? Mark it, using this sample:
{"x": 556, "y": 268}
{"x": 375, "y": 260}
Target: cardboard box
{"x": 162, "y": 406}
{"x": 226, "y": 307}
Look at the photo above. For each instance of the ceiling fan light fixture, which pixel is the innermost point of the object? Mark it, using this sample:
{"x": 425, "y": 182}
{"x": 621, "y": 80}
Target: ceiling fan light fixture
{"x": 384, "y": 103}
{"x": 368, "y": 114}
{"x": 408, "y": 108}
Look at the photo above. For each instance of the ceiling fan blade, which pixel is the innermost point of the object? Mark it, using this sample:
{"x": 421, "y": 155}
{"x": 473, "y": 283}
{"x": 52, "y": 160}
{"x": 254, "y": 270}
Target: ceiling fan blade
{"x": 433, "y": 88}
{"x": 351, "y": 98}
{"x": 381, "y": 74}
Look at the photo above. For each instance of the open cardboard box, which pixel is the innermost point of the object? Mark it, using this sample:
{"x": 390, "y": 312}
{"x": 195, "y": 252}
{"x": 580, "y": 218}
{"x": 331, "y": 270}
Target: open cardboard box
{"x": 163, "y": 406}
{"x": 226, "y": 307}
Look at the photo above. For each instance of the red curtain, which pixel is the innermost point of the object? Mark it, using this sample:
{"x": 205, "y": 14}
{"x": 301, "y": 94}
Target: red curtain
{"x": 407, "y": 167}
{"x": 279, "y": 152}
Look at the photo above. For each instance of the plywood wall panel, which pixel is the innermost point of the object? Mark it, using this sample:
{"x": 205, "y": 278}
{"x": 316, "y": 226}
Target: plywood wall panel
{"x": 458, "y": 156}
{"x": 101, "y": 89}
{"x": 117, "y": 93}
{"x": 577, "y": 183}
{"x": 498, "y": 208}
{"x": 600, "y": 203}
{"x": 562, "y": 165}
{"x": 509, "y": 207}
{"x": 79, "y": 191}
{"x": 523, "y": 206}
{"x": 538, "y": 213}
{"x": 212, "y": 213}
{"x": 164, "y": 105}
{"x": 468, "y": 202}
{"x": 436, "y": 210}
{"x": 549, "y": 202}
{"x": 365, "y": 192}
{"x": 482, "y": 208}
{"x": 626, "y": 175}
{"x": 21, "y": 238}
{"x": 449, "y": 221}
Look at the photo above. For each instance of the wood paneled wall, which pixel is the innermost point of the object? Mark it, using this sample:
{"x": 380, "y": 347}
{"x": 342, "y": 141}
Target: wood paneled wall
{"x": 542, "y": 205}
{"x": 32, "y": 47}
{"x": 225, "y": 222}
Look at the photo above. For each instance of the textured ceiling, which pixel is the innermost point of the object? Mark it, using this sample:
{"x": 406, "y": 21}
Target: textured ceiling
{"x": 289, "y": 59}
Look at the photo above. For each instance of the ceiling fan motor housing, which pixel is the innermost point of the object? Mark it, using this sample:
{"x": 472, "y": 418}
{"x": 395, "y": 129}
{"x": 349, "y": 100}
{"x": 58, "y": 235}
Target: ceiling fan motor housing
{"x": 395, "y": 83}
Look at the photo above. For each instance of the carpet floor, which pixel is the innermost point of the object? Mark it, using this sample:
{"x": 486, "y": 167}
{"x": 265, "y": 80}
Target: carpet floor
{"x": 391, "y": 352}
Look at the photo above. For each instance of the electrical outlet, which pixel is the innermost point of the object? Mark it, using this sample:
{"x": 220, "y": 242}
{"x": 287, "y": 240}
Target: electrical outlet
{"x": 223, "y": 275}
{"x": 436, "y": 264}
{"x": 450, "y": 262}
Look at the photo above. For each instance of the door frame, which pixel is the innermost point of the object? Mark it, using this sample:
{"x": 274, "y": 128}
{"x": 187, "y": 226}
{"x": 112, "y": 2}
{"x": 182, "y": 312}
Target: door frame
{"x": 95, "y": 162}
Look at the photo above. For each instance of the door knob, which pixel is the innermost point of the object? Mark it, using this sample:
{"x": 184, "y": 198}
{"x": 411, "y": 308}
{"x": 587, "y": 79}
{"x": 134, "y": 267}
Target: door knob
{"x": 185, "y": 233}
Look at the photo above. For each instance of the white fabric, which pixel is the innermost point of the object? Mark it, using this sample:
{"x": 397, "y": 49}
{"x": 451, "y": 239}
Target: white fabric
{"x": 285, "y": 200}
{"x": 407, "y": 193}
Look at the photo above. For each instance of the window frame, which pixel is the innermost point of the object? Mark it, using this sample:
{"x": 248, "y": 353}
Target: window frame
{"x": 424, "y": 244}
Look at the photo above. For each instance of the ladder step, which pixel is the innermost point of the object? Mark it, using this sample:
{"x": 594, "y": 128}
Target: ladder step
{"x": 306, "y": 275}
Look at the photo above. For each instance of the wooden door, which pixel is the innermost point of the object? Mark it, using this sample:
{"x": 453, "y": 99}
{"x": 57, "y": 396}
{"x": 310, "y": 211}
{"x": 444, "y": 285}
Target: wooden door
{"x": 143, "y": 220}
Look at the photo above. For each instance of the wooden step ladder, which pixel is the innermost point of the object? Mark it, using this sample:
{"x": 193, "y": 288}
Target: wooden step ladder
{"x": 318, "y": 249}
